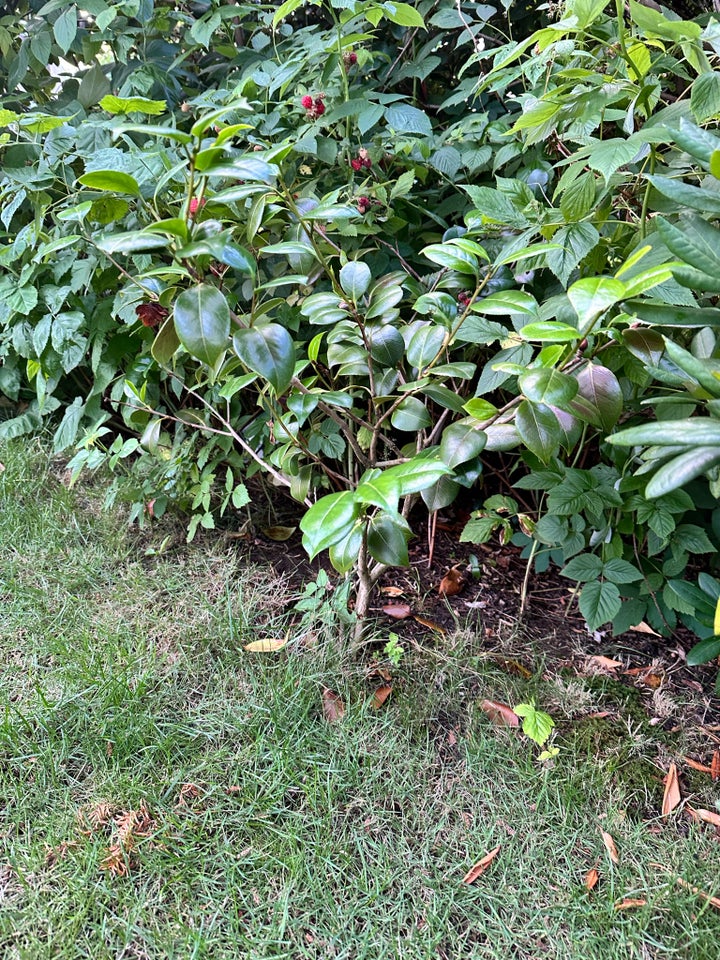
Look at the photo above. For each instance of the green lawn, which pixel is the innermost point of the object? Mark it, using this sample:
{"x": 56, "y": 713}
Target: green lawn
{"x": 263, "y": 831}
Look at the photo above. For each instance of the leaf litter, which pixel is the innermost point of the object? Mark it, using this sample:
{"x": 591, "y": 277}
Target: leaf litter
{"x": 481, "y": 866}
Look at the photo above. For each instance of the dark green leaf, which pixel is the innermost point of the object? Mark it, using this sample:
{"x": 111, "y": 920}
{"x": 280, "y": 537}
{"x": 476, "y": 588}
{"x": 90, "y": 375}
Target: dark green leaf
{"x": 387, "y": 539}
{"x": 202, "y": 322}
{"x": 548, "y": 385}
{"x": 704, "y": 652}
{"x": 461, "y": 442}
{"x": 599, "y": 602}
{"x": 268, "y": 350}
{"x": 328, "y": 521}
{"x": 539, "y": 429}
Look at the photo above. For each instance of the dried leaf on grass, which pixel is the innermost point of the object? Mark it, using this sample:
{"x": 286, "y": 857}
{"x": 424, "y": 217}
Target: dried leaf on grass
{"x": 671, "y": 797}
{"x": 715, "y": 901}
{"x": 452, "y": 583}
{"x": 129, "y": 826}
{"x": 481, "y": 866}
{"x": 500, "y": 713}
{"x": 630, "y": 903}
{"x": 398, "y": 611}
{"x": 610, "y": 846}
{"x": 715, "y": 765}
{"x": 380, "y": 696}
{"x": 702, "y": 767}
{"x": 706, "y": 816}
{"x": 333, "y": 706}
{"x": 646, "y": 676}
{"x": 266, "y": 645}
{"x": 591, "y": 879}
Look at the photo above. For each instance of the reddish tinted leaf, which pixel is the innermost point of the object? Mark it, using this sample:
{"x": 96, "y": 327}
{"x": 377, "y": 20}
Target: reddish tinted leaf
{"x": 392, "y": 591}
{"x": 671, "y": 797}
{"x": 333, "y": 706}
{"x": 380, "y": 696}
{"x": 702, "y": 767}
{"x": 398, "y": 611}
{"x": 591, "y": 879}
{"x": 481, "y": 866}
{"x": 610, "y": 846}
{"x": 500, "y": 713}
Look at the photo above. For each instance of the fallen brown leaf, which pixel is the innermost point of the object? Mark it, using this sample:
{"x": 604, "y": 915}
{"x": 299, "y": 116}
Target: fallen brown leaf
{"x": 605, "y": 663}
{"x": 500, "y": 713}
{"x": 630, "y": 903}
{"x": 380, "y": 696}
{"x": 715, "y": 765}
{"x": 430, "y": 624}
{"x": 644, "y": 628}
{"x": 481, "y": 866}
{"x": 645, "y": 675}
{"x": 333, "y": 706}
{"x": 392, "y": 591}
{"x": 715, "y": 901}
{"x": 610, "y": 846}
{"x": 703, "y": 768}
{"x": 591, "y": 879}
{"x": 398, "y": 611}
{"x": 671, "y": 797}
{"x": 707, "y": 816}
{"x": 452, "y": 583}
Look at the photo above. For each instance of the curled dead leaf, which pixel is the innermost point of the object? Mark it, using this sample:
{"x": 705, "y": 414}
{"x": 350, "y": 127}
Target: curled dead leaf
{"x": 630, "y": 903}
{"x": 591, "y": 879}
{"x": 333, "y": 706}
{"x": 500, "y": 713}
{"x": 452, "y": 583}
{"x": 481, "y": 866}
{"x": 266, "y": 645}
{"x": 398, "y": 611}
{"x": 380, "y": 696}
{"x": 671, "y": 797}
{"x": 643, "y": 627}
{"x": 610, "y": 846}
{"x": 715, "y": 765}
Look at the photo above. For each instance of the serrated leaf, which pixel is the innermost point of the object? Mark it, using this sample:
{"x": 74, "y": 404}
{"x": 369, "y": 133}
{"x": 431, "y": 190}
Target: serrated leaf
{"x": 599, "y": 603}
{"x": 536, "y": 724}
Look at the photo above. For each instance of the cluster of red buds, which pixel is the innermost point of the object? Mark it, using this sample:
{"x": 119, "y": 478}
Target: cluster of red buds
{"x": 362, "y": 160}
{"x": 313, "y": 107}
{"x": 151, "y": 314}
{"x": 365, "y": 203}
{"x": 349, "y": 59}
{"x": 196, "y": 204}
{"x": 464, "y": 298}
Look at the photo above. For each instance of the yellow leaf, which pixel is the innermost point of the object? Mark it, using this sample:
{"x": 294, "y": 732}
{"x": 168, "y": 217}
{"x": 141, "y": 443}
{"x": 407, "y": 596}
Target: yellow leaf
{"x": 716, "y": 624}
{"x": 266, "y": 645}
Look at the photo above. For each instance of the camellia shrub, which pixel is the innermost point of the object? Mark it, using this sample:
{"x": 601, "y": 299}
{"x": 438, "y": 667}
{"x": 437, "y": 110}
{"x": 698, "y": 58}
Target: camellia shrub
{"x": 361, "y": 250}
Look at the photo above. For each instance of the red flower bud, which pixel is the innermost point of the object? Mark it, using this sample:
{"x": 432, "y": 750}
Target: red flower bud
{"x": 356, "y": 164}
{"x": 195, "y": 204}
{"x": 307, "y": 102}
{"x": 319, "y": 107}
{"x": 364, "y": 204}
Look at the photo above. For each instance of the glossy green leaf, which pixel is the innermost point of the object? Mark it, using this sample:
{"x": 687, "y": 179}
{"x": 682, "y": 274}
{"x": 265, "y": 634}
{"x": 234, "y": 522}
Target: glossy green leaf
{"x": 355, "y": 278}
{"x": 599, "y": 393}
{"x": 594, "y": 296}
{"x": 344, "y": 554}
{"x": 112, "y": 180}
{"x": 112, "y": 104}
{"x": 461, "y": 442}
{"x": 268, "y": 350}
{"x": 452, "y": 258}
{"x": 704, "y": 652}
{"x": 202, "y": 322}
{"x": 539, "y": 429}
{"x": 699, "y": 431}
{"x": 549, "y": 331}
{"x": 680, "y": 470}
{"x": 411, "y": 415}
{"x": 548, "y": 386}
{"x": 329, "y": 521}
{"x": 387, "y": 539}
